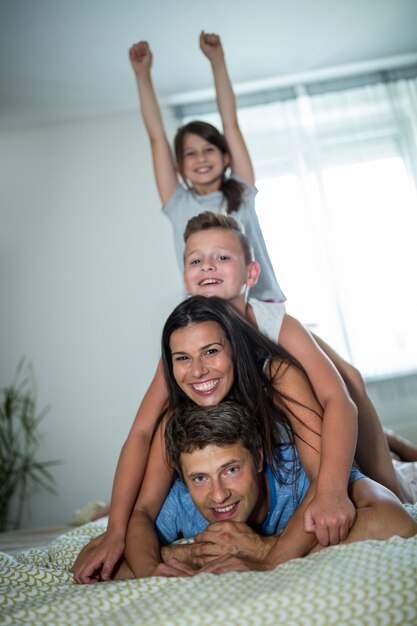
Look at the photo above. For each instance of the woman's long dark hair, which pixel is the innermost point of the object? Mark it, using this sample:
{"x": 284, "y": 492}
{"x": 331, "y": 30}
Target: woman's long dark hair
{"x": 251, "y": 354}
{"x": 232, "y": 190}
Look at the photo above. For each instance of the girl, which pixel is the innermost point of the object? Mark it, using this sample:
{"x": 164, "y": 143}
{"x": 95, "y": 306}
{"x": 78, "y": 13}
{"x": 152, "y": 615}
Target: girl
{"x": 205, "y": 158}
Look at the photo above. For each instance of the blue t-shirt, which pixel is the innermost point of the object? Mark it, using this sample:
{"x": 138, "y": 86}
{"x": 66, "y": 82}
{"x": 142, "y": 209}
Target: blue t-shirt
{"x": 179, "y": 516}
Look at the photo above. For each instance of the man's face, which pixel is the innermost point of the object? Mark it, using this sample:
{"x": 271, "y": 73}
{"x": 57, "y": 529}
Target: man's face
{"x": 214, "y": 265}
{"x": 223, "y": 481}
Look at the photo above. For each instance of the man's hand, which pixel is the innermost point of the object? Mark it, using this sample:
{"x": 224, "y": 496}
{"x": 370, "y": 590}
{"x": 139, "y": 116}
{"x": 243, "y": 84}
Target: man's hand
{"x": 229, "y": 538}
{"x": 330, "y": 518}
{"x": 174, "y": 568}
{"x": 140, "y": 57}
{"x": 232, "y": 563}
{"x": 97, "y": 559}
{"x": 179, "y": 551}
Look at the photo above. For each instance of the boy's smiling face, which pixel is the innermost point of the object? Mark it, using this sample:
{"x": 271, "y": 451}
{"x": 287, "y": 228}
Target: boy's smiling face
{"x": 214, "y": 265}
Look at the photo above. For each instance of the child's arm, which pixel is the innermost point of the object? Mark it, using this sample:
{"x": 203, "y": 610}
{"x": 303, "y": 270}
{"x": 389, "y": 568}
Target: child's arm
{"x": 163, "y": 164}
{"x": 100, "y": 561}
{"x": 241, "y": 164}
{"x": 330, "y": 513}
{"x": 142, "y": 551}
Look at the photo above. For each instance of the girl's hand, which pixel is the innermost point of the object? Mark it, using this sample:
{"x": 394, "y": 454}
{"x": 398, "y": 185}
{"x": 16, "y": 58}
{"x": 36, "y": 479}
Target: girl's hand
{"x": 140, "y": 57}
{"x": 211, "y": 46}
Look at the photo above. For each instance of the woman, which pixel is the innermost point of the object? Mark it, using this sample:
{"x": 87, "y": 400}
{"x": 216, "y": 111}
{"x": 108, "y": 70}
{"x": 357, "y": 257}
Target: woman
{"x": 211, "y": 354}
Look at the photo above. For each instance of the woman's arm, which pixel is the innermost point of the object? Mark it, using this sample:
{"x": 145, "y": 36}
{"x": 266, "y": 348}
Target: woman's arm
{"x": 100, "y": 561}
{"x": 305, "y": 415}
{"x": 134, "y": 455}
{"x": 241, "y": 163}
{"x": 142, "y": 551}
{"x": 330, "y": 513}
{"x": 163, "y": 164}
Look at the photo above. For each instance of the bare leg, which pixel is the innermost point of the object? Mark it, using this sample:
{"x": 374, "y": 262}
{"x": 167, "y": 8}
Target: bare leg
{"x": 372, "y": 452}
{"x": 405, "y": 449}
{"x": 380, "y": 515}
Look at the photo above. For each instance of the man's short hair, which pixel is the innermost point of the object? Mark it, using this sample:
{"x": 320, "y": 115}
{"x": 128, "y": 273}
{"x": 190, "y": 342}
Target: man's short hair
{"x": 208, "y": 220}
{"x": 193, "y": 427}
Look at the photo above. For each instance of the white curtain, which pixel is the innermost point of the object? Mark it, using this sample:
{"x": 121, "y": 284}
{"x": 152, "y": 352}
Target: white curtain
{"x": 336, "y": 172}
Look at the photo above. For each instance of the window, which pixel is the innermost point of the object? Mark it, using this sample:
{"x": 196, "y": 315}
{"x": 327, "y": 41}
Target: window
{"x": 337, "y": 204}
{"x": 342, "y": 267}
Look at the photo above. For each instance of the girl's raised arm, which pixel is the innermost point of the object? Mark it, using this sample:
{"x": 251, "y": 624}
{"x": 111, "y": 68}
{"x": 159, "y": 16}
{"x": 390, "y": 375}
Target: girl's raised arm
{"x": 163, "y": 164}
{"x": 241, "y": 163}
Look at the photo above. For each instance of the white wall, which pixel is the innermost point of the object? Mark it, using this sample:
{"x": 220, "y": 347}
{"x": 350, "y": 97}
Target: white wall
{"x": 88, "y": 276}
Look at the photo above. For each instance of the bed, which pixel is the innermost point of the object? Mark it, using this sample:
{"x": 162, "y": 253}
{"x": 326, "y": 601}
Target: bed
{"x": 366, "y": 583}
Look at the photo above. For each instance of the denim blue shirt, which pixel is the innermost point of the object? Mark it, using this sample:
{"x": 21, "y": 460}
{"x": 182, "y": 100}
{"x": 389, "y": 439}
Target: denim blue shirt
{"x": 180, "y": 518}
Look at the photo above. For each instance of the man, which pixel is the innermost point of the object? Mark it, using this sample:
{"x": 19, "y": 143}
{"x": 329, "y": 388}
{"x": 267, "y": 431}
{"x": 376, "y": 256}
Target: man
{"x": 225, "y": 491}
{"x": 234, "y": 505}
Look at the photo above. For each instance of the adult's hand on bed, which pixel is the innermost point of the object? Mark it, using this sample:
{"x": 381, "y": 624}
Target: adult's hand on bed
{"x": 330, "y": 518}
{"x": 230, "y": 538}
{"x": 97, "y": 560}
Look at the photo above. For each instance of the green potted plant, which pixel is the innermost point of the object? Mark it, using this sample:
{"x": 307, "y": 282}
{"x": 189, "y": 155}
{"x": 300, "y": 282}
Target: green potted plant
{"x": 21, "y": 472}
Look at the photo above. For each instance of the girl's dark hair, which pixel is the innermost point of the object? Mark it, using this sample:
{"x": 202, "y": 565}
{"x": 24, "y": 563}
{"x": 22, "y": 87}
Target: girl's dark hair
{"x": 251, "y": 354}
{"x": 232, "y": 190}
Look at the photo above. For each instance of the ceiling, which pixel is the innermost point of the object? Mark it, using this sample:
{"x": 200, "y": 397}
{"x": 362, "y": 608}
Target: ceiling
{"x": 62, "y": 60}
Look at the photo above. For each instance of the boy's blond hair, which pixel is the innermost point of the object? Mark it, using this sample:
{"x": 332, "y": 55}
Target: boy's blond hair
{"x": 208, "y": 220}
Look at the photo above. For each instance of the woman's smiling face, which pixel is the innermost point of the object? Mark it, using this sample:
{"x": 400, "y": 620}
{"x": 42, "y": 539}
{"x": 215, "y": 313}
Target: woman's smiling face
{"x": 202, "y": 362}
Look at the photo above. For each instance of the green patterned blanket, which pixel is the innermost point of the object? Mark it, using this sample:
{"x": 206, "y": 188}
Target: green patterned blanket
{"x": 366, "y": 583}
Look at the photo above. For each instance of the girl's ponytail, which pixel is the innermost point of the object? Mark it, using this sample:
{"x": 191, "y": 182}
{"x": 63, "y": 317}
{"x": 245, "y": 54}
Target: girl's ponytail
{"x": 233, "y": 192}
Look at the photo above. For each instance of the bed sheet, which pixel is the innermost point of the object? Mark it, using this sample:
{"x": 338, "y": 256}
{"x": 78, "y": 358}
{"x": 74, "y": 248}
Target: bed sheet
{"x": 366, "y": 583}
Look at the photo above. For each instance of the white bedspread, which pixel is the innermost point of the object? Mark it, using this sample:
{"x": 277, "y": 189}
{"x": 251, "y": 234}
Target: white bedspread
{"x": 363, "y": 584}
